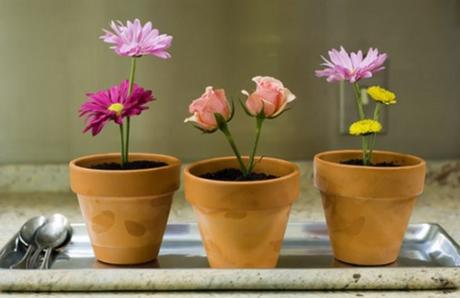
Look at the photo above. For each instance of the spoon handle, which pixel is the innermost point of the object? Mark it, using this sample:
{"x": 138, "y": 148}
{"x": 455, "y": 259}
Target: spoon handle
{"x": 45, "y": 263}
{"x": 22, "y": 262}
{"x": 34, "y": 258}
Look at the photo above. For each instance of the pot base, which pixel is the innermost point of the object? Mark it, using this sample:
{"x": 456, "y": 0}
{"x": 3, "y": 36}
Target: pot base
{"x": 346, "y": 264}
{"x": 126, "y": 231}
{"x": 126, "y": 255}
{"x": 242, "y": 238}
{"x": 366, "y": 232}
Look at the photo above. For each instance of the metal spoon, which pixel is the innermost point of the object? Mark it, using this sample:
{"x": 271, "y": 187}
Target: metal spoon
{"x": 26, "y": 237}
{"x": 50, "y": 236}
{"x": 11, "y": 254}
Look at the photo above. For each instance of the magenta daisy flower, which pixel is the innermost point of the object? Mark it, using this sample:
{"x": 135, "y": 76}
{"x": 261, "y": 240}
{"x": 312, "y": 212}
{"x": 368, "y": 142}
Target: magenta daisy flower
{"x": 135, "y": 40}
{"x": 113, "y": 104}
{"x": 351, "y": 67}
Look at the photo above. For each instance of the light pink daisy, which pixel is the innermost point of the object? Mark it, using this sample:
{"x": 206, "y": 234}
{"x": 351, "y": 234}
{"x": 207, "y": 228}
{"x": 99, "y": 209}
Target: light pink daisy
{"x": 135, "y": 40}
{"x": 113, "y": 104}
{"x": 351, "y": 67}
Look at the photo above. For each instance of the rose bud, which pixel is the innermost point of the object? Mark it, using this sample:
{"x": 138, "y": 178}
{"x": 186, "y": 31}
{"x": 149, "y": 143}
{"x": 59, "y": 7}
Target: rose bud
{"x": 270, "y": 97}
{"x": 213, "y": 101}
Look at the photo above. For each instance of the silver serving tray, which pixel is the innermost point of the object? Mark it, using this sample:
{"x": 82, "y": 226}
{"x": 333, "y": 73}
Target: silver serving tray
{"x": 429, "y": 258}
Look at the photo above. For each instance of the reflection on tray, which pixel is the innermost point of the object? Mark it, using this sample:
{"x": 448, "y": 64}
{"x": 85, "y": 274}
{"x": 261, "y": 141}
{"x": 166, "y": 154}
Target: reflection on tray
{"x": 305, "y": 246}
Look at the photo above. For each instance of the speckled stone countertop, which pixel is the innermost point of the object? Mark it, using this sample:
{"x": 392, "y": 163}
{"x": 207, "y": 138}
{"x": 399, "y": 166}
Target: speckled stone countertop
{"x": 27, "y": 191}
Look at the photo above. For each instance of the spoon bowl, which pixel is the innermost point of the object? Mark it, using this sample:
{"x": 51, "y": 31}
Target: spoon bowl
{"x": 53, "y": 234}
{"x": 29, "y": 228}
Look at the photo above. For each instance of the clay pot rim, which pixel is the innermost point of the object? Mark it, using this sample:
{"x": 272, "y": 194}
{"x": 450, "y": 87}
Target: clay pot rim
{"x": 318, "y": 158}
{"x": 295, "y": 171}
{"x": 172, "y": 162}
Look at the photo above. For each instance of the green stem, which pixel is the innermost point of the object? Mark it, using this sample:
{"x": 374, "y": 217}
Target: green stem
{"x": 359, "y": 101}
{"x": 123, "y": 161}
{"x": 371, "y": 146}
{"x": 132, "y": 73}
{"x": 259, "y": 122}
{"x": 128, "y": 121}
{"x": 227, "y": 134}
{"x": 359, "y": 104}
{"x": 366, "y": 161}
{"x": 377, "y": 110}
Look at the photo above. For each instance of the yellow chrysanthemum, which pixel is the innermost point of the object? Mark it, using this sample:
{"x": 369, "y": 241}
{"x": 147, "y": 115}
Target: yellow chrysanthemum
{"x": 381, "y": 95}
{"x": 365, "y": 127}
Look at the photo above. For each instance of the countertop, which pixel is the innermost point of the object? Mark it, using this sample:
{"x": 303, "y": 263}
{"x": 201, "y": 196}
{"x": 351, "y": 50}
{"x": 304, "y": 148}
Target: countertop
{"x": 28, "y": 191}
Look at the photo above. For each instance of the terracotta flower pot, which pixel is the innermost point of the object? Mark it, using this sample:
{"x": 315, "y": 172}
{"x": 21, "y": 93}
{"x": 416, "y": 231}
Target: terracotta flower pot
{"x": 367, "y": 209}
{"x": 125, "y": 211}
{"x": 242, "y": 224}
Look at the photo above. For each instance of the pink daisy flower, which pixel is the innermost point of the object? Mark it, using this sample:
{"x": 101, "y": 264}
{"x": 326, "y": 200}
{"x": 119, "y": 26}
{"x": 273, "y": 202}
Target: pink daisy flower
{"x": 113, "y": 104}
{"x": 351, "y": 67}
{"x": 135, "y": 40}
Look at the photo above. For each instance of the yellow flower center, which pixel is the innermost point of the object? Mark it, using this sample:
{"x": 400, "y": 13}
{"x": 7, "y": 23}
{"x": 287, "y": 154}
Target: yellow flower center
{"x": 116, "y": 107}
{"x": 381, "y": 95}
{"x": 365, "y": 127}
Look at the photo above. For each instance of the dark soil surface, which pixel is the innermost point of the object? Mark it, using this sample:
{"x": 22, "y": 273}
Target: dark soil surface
{"x": 230, "y": 174}
{"x": 359, "y": 162}
{"x": 132, "y": 165}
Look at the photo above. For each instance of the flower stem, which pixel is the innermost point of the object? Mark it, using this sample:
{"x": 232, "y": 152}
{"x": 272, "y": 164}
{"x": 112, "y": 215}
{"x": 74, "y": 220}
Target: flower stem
{"x": 366, "y": 157}
{"x": 359, "y": 101}
{"x": 132, "y": 74}
{"x": 259, "y": 122}
{"x": 377, "y": 110}
{"x": 228, "y": 135}
{"x": 123, "y": 161}
{"x": 359, "y": 104}
{"x": 128, "y": 121}
{"x": 371, "y": 146}
{"x": 363, "y": 146}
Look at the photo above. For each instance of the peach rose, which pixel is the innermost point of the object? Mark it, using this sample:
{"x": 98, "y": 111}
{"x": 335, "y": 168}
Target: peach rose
{"x": 270, "y": 95}
{"x": 203, "y": 108}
